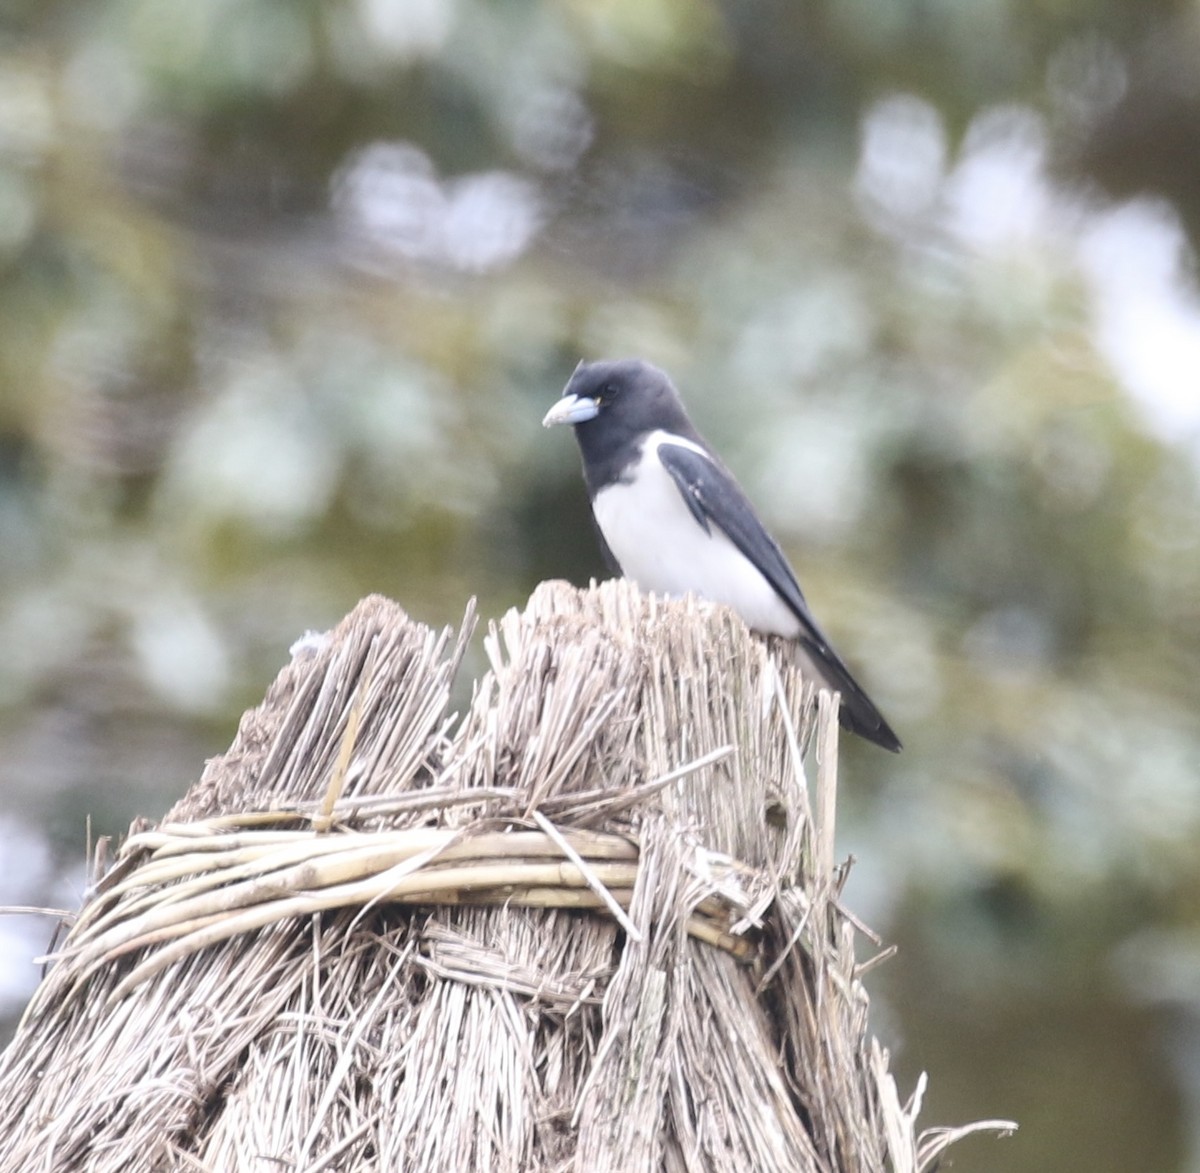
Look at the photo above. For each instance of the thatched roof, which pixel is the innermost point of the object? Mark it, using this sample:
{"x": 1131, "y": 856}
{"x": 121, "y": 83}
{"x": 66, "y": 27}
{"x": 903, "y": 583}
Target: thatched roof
{"x": 595, "y": 925}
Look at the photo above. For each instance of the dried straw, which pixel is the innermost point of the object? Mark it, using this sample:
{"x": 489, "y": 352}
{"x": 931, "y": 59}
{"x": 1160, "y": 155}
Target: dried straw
{"x": 592, "y": 926}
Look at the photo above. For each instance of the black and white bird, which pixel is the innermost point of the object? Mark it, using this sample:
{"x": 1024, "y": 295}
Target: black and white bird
{"x": 672, "y": 518}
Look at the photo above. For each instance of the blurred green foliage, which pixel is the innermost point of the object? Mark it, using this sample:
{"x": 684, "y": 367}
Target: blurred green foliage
{"x": 286, "y": 286}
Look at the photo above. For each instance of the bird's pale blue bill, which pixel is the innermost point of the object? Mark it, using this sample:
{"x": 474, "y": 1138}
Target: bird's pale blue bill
{"x": 571, "y": 409}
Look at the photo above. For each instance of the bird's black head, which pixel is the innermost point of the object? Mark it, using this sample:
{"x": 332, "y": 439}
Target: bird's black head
{"x": 613, "y": 403}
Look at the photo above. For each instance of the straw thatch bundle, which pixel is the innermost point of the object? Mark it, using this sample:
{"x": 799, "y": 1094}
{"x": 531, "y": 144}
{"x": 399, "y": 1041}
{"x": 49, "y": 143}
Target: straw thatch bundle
{"x": 592, "y": 926}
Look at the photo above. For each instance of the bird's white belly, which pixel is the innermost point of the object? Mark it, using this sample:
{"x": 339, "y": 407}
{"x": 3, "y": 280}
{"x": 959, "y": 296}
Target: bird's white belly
{"x": 664, "y": 549}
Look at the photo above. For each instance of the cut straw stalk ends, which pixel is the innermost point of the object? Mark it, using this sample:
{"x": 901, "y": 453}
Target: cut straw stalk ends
{"x": 373, "y": 938}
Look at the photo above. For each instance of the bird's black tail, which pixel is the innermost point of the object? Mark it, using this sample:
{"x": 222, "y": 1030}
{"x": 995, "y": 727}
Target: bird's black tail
{"x": 857, "y": 712}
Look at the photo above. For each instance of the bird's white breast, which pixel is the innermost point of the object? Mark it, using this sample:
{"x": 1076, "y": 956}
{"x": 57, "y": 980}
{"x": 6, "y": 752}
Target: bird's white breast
{"x": 663, "y": 548}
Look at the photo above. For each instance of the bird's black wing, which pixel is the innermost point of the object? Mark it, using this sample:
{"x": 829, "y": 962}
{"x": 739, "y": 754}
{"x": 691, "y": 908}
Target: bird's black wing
{"x": 714, "y": 496}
